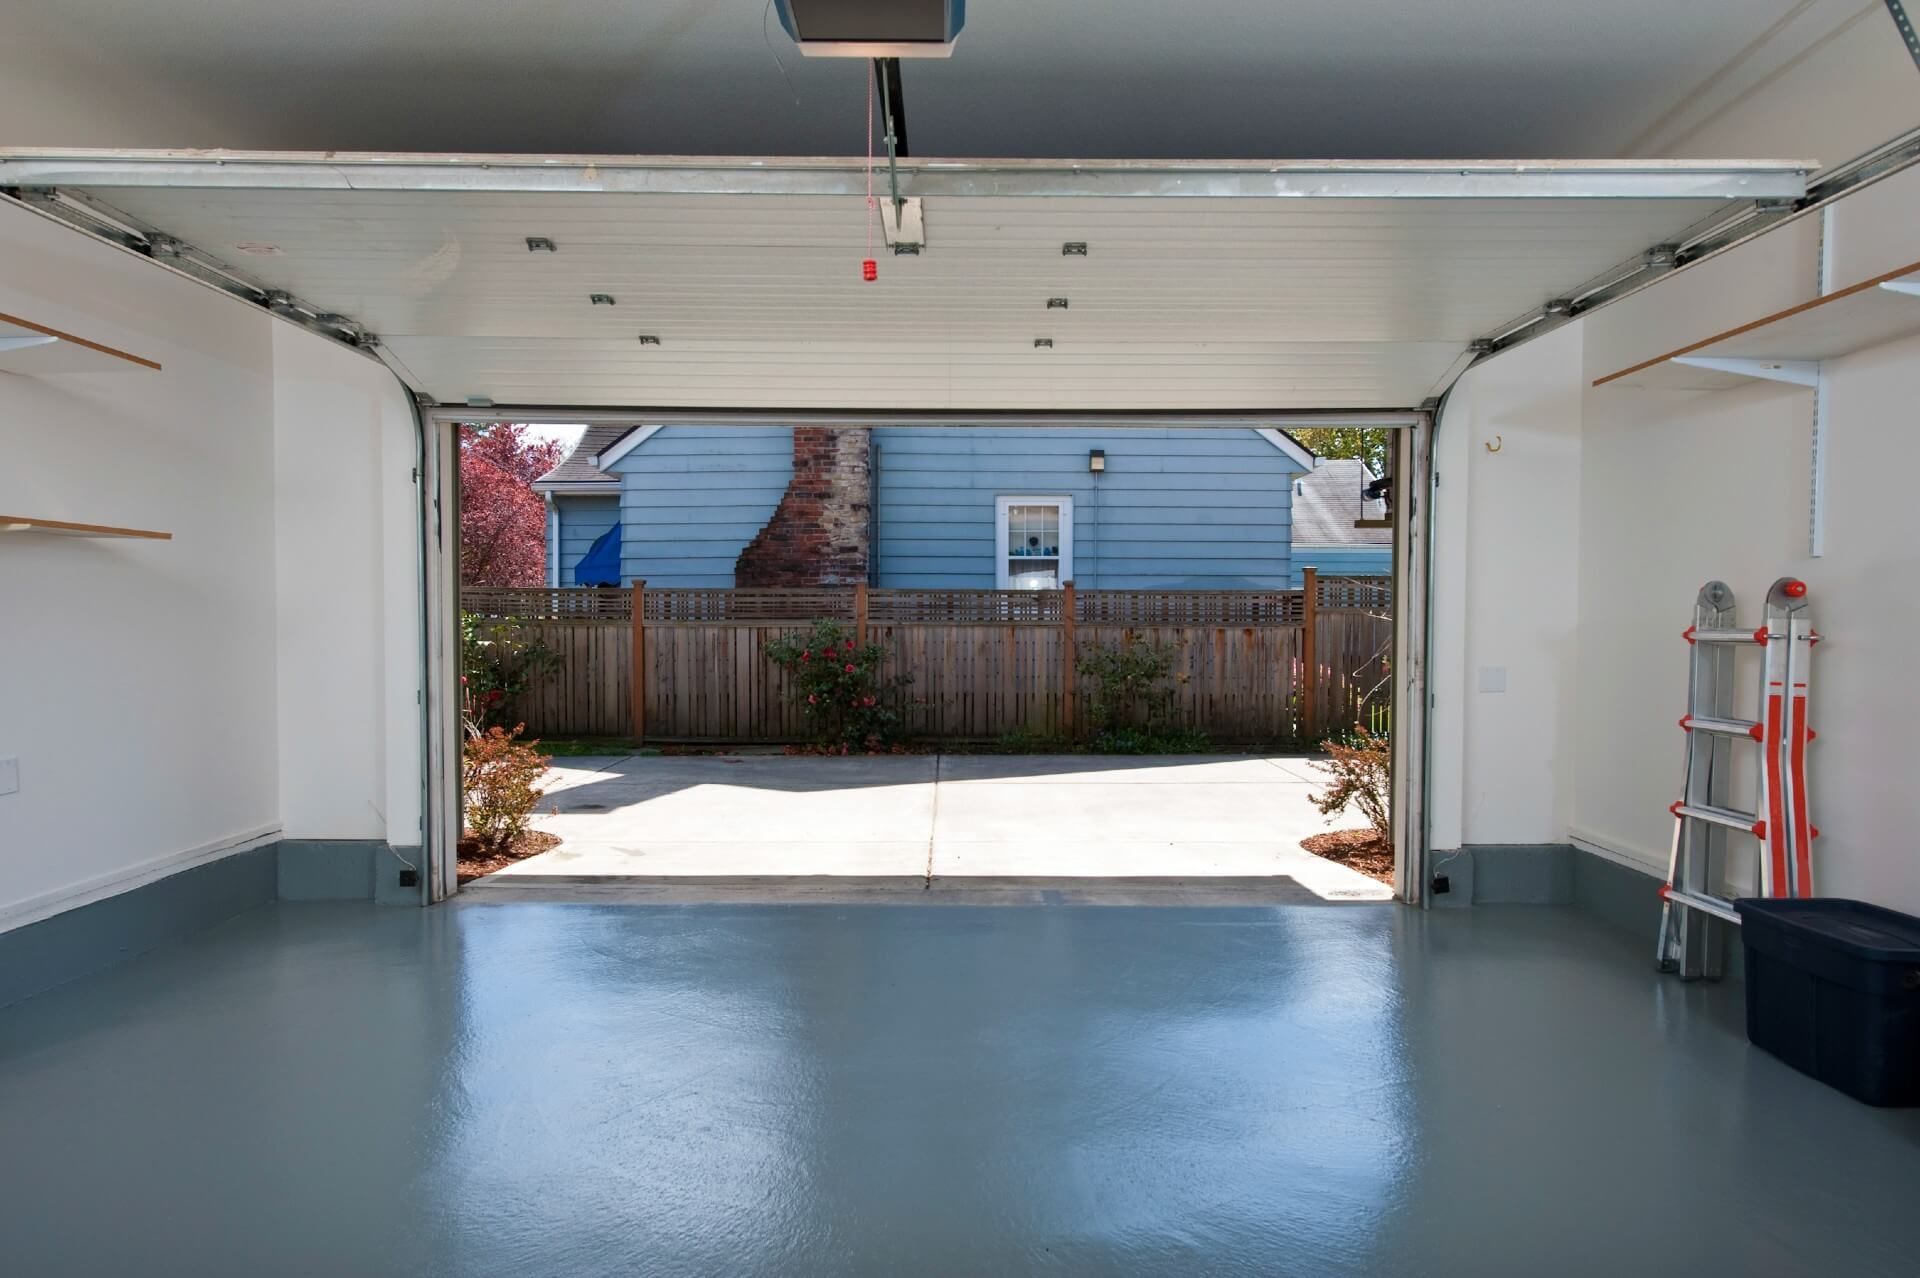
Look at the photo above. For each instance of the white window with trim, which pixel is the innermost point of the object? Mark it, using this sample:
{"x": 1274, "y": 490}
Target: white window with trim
{"x": 1033, "y": 542}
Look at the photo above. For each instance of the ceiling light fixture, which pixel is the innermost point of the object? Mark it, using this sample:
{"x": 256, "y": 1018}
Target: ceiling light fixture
{"x": 1043, "y": 343}
{"x": 539, "y": 244}
{"x": 649, "y": 339}
{"x": 600, "y": 299}
{"x": 1056, "y": 303}
{"x": 1074, "y": 248}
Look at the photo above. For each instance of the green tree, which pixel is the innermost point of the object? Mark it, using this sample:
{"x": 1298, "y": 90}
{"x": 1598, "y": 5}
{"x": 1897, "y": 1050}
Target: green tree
{"x": 1371, "y": 445}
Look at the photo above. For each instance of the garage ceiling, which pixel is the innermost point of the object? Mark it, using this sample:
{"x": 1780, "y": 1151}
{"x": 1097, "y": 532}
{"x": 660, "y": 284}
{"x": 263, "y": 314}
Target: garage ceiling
{"x": 1086, "y": 78}
{"x": 1212, "y": 287}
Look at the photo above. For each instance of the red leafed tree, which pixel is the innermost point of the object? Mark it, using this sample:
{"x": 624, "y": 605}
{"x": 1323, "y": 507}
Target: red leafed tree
{"x": 503, "y": 522}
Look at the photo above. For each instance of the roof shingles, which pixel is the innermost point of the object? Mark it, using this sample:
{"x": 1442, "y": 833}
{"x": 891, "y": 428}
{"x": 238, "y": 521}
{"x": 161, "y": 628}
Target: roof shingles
{"x": 578, "y": 467}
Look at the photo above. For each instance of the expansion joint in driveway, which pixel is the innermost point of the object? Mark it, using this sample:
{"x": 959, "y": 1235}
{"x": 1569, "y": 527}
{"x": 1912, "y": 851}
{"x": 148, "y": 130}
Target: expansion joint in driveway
{"x": 933, "y": 823}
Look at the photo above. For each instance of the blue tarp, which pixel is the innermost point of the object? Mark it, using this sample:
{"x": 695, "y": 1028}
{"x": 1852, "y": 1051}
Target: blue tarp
{"x": 600, "y": 566}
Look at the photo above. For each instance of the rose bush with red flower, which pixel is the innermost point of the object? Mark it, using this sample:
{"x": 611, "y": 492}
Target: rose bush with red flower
{"x": 844, "y": 696}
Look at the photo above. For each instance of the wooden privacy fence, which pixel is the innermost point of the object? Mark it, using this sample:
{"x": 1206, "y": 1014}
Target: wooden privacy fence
{"x": 692, "y": 665}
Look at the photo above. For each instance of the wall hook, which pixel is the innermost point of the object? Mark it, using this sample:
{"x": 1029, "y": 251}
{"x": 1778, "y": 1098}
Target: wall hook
{"x": 1493, "y": 445}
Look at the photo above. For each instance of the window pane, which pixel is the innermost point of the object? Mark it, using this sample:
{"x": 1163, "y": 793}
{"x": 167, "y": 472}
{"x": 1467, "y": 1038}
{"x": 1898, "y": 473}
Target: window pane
{"x": 1033, "y": 531}
{"x": 1033, "y": 574}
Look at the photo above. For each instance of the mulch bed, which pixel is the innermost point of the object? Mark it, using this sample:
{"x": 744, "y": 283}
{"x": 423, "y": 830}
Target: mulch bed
{"x": 475, "y": 866}
{"x": 1360, "y": 850}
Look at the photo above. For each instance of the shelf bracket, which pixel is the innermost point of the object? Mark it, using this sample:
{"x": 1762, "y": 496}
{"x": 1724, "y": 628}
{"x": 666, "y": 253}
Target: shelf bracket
{"x": 1800, "y": 372}
{"x": 1901, "y": 286}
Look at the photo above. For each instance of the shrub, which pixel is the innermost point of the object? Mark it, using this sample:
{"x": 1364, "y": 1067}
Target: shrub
{"x": 499, "y": 780}
{"x": 1359, "y": 777}
{"x": 838, "y": 685}
{"x": 497, "y": 663}
{"x": 1132, "y": 687}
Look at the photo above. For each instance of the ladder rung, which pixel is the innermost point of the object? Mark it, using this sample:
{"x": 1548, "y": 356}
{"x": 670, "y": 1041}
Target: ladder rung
{"x": 1724, "y": 727}
{"x": 1705, "y": 904}
{"x": 1708, "y": 634}
{"x": 1742, "y": 821}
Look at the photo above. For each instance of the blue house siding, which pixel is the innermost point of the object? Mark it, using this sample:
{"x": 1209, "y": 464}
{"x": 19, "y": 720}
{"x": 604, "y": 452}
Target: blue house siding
{"x": 582, "y": 521}
{"x": 1342, "y": 561}
{"x": 691, "y": 498}
{"x": 1174, "y": 510}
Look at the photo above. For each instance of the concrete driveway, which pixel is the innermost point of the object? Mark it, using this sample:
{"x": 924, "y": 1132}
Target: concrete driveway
{"x": 936, "y": 821}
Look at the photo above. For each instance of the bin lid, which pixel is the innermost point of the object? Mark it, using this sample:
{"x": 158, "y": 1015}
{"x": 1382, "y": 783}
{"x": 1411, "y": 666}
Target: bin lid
{"x": 1863, "y": 930}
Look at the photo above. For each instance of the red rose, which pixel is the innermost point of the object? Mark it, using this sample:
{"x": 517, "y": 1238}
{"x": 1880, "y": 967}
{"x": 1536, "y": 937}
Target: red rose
{"x": 811, "y": 698}
{"x": 806, "y": 653}
{"x": 849, "y": 669}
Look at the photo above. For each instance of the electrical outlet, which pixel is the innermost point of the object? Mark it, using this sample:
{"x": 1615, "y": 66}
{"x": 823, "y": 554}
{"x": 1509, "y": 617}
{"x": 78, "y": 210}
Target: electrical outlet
{"x": 9, "y": 776}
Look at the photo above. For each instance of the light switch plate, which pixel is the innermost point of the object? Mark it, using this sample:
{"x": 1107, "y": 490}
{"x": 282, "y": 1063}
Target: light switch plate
{"x": 9, "y": 776}
{"x": 1493, "y": 678}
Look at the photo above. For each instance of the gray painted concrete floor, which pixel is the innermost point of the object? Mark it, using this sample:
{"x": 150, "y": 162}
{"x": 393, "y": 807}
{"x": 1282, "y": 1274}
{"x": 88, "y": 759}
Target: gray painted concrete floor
{"x": 939, "y": 821}
{"x": 563, "y": 1089}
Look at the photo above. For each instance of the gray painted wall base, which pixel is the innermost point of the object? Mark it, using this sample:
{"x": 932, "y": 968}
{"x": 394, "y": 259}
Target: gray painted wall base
{"x": 346, "y": 870}
{"x": 52, "y": 952}
{"x": 1627, "y": 900}
{"x": 1504, "y": 874}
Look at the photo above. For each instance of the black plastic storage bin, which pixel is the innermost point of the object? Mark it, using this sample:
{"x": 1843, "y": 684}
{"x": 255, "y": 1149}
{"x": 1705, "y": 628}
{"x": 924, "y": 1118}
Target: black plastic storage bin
{"x": 1833, "y": 989}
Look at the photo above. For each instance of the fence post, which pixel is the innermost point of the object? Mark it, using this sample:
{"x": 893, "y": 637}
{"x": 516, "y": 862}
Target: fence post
{"x": 1068, "y": 638}
{"x": 639, "y": 673}
{"x": 860, "y": 613}
{"x": 1309, "y": 662}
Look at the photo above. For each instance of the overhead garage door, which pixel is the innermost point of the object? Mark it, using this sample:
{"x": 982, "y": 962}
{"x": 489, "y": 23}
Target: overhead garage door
{"x": 737, "y": 283}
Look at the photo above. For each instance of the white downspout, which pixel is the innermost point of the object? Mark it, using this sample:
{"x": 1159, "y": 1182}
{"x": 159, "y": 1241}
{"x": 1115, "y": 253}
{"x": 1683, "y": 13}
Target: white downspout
{"x": 553, "y": 541}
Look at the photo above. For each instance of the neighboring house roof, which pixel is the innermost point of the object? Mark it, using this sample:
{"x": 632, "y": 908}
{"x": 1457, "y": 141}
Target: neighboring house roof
{"x": 578, "y": 473}
{"x": 1327, "y": 500}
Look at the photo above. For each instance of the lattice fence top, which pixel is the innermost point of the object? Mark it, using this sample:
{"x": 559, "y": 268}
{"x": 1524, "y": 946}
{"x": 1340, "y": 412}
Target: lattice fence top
{"x": 565, "y": 603}
{"x": 1191, "y": 607}
{"x": 932, "y": 607}
{"x": 962, "y": 607}
{"x": 754, "y": 604}
{"x": 1373, "y": 594}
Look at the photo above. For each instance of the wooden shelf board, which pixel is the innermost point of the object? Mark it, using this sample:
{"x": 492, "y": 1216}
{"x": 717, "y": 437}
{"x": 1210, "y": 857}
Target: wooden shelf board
{"x": 30, "y": 348}
{"x": 1851, "y": 319}
{"x": 61, "y": 528}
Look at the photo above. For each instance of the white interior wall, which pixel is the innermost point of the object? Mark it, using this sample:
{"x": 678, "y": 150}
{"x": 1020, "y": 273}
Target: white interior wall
{"x": 1679, "y": 488}
{"x": 136, "y": 678}
{"x": 172, "y": 702}
{"x": 1505, "y": 598}
{"x": 1671, "y": 489}
{"x": 348, "y": 628}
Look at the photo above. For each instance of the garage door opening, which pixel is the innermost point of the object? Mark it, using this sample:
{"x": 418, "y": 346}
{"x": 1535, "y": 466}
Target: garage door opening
{"x": 730, "y": 292}
{"x": 944, "y": 656}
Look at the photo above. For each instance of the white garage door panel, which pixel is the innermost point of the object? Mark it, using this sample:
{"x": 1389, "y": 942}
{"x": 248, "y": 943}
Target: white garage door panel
{"x": 1311, "y": 300}
{"x": 599, "y": 373}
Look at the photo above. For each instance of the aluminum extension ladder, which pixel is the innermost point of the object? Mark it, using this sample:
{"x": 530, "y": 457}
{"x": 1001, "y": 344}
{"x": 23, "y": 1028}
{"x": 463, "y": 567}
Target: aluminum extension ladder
{"x": 1691, "y": 939}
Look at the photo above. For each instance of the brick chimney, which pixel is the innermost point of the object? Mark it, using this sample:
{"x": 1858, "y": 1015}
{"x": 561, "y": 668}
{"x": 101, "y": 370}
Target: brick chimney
{"x": 818, "y": 533}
